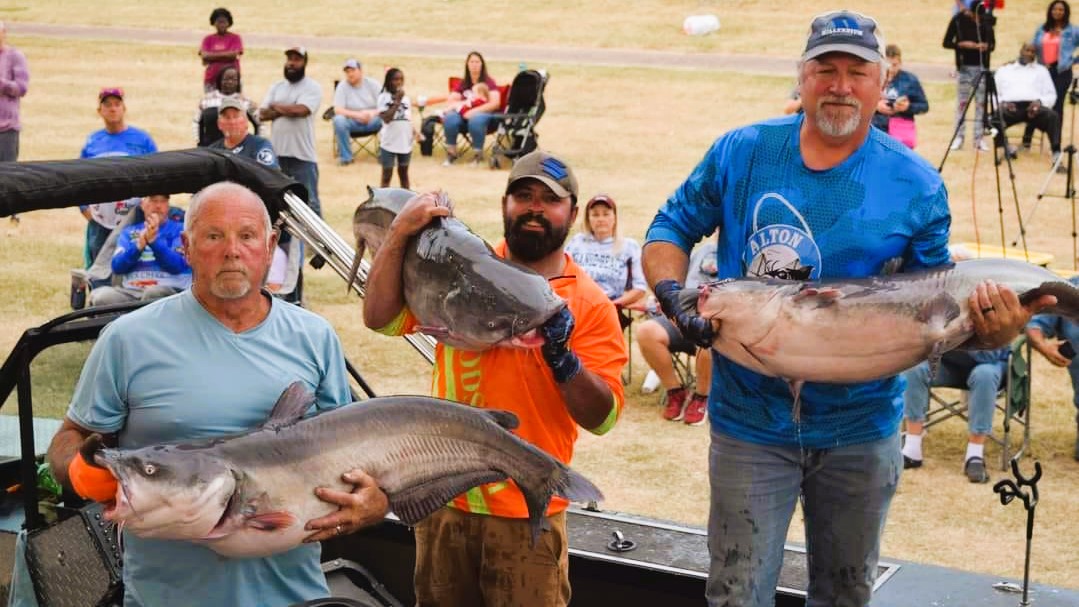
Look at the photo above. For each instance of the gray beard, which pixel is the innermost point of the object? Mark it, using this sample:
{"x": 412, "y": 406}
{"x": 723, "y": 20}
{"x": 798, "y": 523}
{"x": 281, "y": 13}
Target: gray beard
{"x": 839, "y": 127}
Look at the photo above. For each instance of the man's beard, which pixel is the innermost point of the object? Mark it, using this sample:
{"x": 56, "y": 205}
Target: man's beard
{"x": 295, "y": 74}
{"x": 836, "y": 126}
{"x": 529, "y": 245}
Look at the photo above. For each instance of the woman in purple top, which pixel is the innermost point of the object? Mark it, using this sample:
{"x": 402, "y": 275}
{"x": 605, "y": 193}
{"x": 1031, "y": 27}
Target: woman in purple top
{"x": 478, "y": 117}
{"x": 221, "y": 49}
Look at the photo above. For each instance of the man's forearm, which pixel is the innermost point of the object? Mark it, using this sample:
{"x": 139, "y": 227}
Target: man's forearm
{"x": 588, "y": 399}
{"x": 385, "y": 287}
{"x": 663, "y": 260}
{"x": 293, "y": 110}
{"x": 62, "y": 450}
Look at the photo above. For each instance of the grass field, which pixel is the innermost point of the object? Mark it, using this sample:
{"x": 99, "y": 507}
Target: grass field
{"x": 632, "y": 132}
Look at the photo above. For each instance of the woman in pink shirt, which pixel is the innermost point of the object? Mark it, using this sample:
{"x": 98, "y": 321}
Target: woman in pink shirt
{"x": 1055, "y": 41}
{"x": 221, "y": 49}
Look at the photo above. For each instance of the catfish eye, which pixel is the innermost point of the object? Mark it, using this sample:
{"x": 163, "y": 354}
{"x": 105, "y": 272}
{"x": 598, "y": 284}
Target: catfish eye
{"x": 490, "y": 324}
{"x": 149, "y": 469}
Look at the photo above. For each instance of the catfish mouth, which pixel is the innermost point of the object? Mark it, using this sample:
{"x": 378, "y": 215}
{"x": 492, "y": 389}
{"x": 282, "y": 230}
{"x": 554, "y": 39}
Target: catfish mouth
{"x": 527, "y": 340}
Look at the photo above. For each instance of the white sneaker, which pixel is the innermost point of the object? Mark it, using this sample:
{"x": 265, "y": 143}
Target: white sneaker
{"x": 957, "y": 143}
{"x": 650, "y": 383}
{"x": 983, "y": 145}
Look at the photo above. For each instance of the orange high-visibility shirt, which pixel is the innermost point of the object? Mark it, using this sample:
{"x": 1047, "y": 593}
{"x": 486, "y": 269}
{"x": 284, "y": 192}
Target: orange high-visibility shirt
{"x": 519, "y": 380}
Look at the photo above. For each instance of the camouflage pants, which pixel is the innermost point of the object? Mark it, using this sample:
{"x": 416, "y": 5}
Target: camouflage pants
{"x": 965, "y": 90}
{"x": 473, "y": 560}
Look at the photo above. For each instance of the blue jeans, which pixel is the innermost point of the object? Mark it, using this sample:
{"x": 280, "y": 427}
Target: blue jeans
{"x": 344, "y": 128}
{"x": 307, "y": 174}
{"x": 845, "y": 494}
{"x": 477, "y": 122}
{"x": 982, "y": 380}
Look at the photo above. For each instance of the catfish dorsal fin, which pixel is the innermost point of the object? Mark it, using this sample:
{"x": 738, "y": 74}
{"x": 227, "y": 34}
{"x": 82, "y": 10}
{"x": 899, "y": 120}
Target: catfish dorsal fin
{"x": 290, "y": 406}
{"x": 506, "y": 419}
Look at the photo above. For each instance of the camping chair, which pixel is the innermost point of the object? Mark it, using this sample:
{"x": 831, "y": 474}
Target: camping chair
{"x": 292, "y": 288}
{"x": 363, "y": 142}
{"x": 516, "y": 134}
{"x": 432, "y": 125}
{"x": 99, "y": 274}
{"x": 1013, "y": 400}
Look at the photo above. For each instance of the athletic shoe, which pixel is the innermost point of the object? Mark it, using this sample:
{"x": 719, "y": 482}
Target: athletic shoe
{"x": 975, "y": 470}
{"x": 957, "y": 143}
{"x": 983, "y": 145}
{"x": 674, "y": 404}
{"x": 696, "y": 410}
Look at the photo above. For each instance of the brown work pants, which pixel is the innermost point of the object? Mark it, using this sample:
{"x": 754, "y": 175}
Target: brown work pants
{"x": 473, "y": 560}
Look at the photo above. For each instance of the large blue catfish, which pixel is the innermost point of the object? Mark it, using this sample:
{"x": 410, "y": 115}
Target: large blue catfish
{"x": 461, "y": 292}
{"x": 251, "y": 494}
{"x": 856, "y": 330}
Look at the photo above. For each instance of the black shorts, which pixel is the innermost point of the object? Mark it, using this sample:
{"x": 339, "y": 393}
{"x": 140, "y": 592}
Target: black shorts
{"x": 674, "y": 337}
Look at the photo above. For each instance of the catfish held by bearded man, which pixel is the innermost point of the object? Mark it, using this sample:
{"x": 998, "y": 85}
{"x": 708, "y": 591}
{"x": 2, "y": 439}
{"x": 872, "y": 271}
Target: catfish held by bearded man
{"x": 249, "y": 495}
{"x": 463, "y": 294}
{"x": 858, "y": 330}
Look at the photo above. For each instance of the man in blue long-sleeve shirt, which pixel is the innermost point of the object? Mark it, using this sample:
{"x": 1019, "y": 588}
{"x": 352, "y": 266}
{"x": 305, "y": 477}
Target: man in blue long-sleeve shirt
{"x": 149, "y": 262}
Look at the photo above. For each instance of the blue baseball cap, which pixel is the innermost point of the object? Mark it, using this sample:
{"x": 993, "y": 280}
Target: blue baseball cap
{"x": 844, "y": 32}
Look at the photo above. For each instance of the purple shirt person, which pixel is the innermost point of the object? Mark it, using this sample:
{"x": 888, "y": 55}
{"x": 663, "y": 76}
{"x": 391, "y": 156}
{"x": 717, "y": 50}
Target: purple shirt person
{"x": 14, "y": 81}
{"x": 221, "y": 49}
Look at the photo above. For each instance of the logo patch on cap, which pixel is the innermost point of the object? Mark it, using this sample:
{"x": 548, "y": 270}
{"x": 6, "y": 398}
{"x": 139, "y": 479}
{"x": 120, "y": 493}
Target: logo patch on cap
{"x": 554, "y": 168}
{"x": 844, "y": 26}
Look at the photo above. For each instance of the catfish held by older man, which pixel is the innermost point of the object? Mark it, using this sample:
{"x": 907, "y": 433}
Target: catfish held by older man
{"x": 856, "y": 330}
{"x": 463, "y": 294}
{"x": 249, "y": 495}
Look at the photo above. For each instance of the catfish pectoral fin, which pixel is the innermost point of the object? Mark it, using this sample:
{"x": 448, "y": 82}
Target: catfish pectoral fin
{"x": 413, "y": 504}
{"x": 435, "y": 332}
{"x": 271, "y": 521}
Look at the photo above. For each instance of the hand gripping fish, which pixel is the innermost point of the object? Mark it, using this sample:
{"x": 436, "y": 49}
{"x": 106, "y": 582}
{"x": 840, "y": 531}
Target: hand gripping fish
{"x": 250, "y": 494}
{"x": 461, "y": 292}
{"x": 857, "y": 330}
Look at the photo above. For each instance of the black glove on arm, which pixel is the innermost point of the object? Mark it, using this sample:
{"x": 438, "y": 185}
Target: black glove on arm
{"x": 563, "y": 362}
{"x": 693, "y": 327}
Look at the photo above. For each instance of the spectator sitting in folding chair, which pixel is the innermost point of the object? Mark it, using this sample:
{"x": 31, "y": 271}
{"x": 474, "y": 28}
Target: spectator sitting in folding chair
{"x": 1027, "y": 94}
{"x": 613, "y": 261}
{"x": 232, "y": 122}
{"x": 355, "y": 109}
{"x": 478, "y": 118}
{"x": 149, "y": 261}
{"x": 980, "y": 372}
{"x": 1057, "y": 338}
{"x": 659, "y": 341}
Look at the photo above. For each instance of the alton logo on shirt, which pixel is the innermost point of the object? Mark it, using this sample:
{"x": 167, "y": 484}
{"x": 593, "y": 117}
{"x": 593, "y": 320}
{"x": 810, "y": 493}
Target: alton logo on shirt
{"x": 780, "y": 250}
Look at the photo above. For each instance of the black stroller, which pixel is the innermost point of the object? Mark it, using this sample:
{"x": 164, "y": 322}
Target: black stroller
{"x": 516, "y": 135}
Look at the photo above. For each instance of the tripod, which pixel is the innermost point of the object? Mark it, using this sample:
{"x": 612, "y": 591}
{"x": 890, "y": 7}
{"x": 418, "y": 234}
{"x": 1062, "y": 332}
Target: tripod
{"x": 993, "y": 125}
{"x": 1069, "y": 185}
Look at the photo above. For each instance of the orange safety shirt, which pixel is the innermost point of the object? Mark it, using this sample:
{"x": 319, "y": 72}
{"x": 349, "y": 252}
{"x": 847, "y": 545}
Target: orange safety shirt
{"x": 519, "y": 380}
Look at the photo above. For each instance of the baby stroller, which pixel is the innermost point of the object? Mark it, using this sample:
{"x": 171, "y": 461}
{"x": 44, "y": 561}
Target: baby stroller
{"x": 516, "y": 135}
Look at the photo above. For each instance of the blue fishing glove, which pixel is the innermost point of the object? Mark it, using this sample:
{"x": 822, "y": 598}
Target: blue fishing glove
{"x": 693, "y": 327}
{"x": 563, "y": 362}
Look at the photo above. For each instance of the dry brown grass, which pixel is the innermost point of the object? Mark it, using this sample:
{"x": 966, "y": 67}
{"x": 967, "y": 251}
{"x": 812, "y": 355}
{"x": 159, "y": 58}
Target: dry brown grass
{"x": 634, "y": 133}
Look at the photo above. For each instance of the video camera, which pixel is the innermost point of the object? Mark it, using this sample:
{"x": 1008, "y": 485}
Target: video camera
{"x": 985, "y": 8}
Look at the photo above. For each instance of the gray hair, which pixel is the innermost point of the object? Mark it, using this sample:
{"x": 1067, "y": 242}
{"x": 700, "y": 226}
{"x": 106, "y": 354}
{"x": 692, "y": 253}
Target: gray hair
{"x": 224, "y": 189}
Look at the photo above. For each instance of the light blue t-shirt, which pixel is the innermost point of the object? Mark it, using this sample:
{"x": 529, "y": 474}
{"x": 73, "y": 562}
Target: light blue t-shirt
{"x": 881, "y": 209}
{"x": 170, "y": 371}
